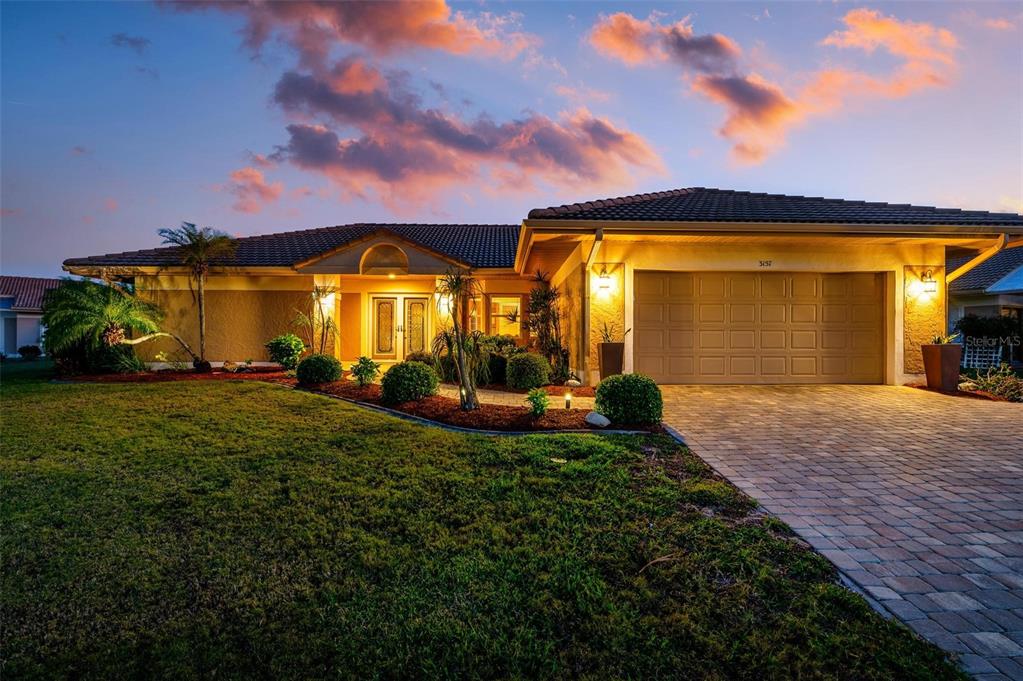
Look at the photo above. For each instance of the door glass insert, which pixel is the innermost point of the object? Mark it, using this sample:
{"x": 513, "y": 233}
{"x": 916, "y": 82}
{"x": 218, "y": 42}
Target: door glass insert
{"x": 415, "y": 325}
{"x": 384, "y": 330}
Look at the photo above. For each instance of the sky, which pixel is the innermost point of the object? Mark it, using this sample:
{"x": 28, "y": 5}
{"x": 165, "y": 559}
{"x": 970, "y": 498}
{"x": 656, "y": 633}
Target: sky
{"x": 118, "y": 119}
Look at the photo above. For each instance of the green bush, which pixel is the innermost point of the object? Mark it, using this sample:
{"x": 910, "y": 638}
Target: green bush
{"x": 629, "y": 398}
{"x": 1003, "y": 382}
{"x": 316, "y": 369}
{"x": 538, "y": 402}
{"x": 285, "y": 350}
{"x": 528, "y": 370}
{"x": 408, "y": 381}
{"x": 365, "y": 370}
{"x": 30, "y": 352}
{"x": 497, "y": 364}
{"x": 425, "y": 357}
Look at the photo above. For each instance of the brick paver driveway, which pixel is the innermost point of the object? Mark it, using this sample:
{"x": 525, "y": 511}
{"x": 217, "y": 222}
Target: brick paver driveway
{"x": 916, "y": 497}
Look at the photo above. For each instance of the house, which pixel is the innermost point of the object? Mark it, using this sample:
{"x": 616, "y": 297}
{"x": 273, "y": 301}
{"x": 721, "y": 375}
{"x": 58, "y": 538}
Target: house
{"x": 21, "y": 308}
{"x": 993, "y": 288}
{"x": 717, "y": 286}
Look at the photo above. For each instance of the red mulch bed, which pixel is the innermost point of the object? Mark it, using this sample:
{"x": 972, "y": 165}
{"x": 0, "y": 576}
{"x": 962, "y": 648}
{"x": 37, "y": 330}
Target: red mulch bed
{"x": 254, "y": 374}
{"x": 556, "y": 390}
{"x": 487, "y": 417}
{"x": 975, "y": 394}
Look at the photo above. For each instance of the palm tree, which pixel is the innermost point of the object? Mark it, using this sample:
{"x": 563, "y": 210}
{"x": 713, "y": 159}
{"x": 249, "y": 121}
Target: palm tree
{"x": 462, "y": 290}
{"x": 84, "y": 314}
{"x": 199, "y": 247}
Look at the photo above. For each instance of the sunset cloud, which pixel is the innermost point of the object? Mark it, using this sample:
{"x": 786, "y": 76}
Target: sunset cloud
{"x": 1000, "y": 24}
{"x": 405, "y": 151}
{"x": 110, "y": 205}
{"x": 251, "y": 190}
{"x": 759, "y": 113}
{"x": 313, "y": 27}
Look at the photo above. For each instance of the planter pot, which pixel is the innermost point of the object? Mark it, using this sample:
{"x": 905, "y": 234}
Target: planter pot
{"x": 941, "y": 364}
{"x": 612, "y": 358}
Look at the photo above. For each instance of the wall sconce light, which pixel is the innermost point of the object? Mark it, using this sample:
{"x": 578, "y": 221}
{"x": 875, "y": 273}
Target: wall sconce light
{"x": 929, "y": 282}
{"x": 604, "y": 281}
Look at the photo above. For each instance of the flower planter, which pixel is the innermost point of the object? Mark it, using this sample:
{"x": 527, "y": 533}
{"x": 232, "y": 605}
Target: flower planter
{"x": 612, "y": 358}
{"x": 941, "y": 364}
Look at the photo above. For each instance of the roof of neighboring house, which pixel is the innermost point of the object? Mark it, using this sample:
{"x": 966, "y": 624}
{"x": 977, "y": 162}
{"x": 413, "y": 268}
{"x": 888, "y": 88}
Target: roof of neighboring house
{"x": 701, "y": 204}
{"x": 26, "y": 291}
{"x": 988, "y": 273}
{"x": 474, "y": 245}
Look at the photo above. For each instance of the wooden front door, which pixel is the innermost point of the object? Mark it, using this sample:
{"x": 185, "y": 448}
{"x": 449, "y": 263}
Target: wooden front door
{"x": 385, "y": 328}
{"x": 401, "y": 325}
{"x": 414, "y": 329}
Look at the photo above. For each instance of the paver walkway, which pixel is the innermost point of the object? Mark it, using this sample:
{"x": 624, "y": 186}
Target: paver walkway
{"x": 917, "y": 497}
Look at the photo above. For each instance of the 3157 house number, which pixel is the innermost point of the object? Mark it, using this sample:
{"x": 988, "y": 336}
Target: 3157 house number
{"x": 765, "y": 263}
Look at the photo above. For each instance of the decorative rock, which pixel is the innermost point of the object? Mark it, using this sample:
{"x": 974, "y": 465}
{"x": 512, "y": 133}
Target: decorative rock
{"x": 967, "y": 386}
{"x": 231, "y": 367}
{"x": 597, "y": 420}
{"x": 572, "y": 383}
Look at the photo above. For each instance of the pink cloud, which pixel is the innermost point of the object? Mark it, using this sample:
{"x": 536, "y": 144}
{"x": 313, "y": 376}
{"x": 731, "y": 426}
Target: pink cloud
{"x": 10, "y": 212}
{"x": 110, "y": 205}
{"x": 582, "y": 94}
{"x": 251, "y": 190}
{"x": 1000, "y": 24}
{"x": 637, "y": 41}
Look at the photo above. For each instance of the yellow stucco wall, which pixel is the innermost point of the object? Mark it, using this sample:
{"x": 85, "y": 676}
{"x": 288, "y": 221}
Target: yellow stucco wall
{"x": 924, "y": 314}
{"x": 606, "y": 306}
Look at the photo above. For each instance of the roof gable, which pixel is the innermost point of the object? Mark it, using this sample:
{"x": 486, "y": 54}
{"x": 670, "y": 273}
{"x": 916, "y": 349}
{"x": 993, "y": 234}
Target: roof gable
{"x": 700, "y": 204}
{"x": 989, "y": 272}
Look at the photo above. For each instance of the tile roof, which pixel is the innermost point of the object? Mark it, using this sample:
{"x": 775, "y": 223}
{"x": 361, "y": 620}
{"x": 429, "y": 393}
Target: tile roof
{"x": 475, "y": 245}
{"x": 26, "y": 291}
{"x": 700, "y": 204}
{"x": 988, "y": 273}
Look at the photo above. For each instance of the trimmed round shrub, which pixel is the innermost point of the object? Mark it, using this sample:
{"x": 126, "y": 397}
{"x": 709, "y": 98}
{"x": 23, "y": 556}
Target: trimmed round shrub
{"x": 424, "y": 357}
{"x": 30, "y": 352}
{"x": 408, "y": 381}
{"x": 630, "y": 398}
{"x": 497, "y": 364}
{"x": 527, "y": 370}
{"x": 318, "y": 369}
{"x": 285, "y": 350}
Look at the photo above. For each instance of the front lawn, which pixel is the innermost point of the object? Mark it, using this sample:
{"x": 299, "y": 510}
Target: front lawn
{"x": 240, "y": 530}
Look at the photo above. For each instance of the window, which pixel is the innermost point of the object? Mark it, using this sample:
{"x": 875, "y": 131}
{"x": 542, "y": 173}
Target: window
{"x": 506, "y": 315}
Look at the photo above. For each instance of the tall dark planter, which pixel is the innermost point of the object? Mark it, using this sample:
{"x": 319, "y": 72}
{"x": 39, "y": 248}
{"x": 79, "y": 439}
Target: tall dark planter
{"x": 612, "y": 358}
{"x": 941, "y": 364}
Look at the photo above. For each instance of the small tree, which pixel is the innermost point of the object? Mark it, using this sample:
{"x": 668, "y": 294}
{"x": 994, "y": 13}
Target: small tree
{"x": 544, "y": 323}
{"x": 462, "y": 291}
{"x": 318, "y": 321}
{"x": 199, "y": 247}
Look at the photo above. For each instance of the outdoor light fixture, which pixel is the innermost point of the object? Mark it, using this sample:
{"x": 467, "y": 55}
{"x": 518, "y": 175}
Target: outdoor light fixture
{"x": 604, "y": 281}
{"x": 568, "y": 400}
{"x": 930, "y": 284}
{"x": 391, "y": 275}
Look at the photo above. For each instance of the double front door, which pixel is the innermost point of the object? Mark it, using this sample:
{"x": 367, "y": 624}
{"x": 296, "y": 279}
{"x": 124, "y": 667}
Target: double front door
{"x": 400, "y": 326}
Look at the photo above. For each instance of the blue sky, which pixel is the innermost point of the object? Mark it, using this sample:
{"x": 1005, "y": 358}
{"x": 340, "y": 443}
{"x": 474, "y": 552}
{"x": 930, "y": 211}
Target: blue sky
{"x": 122, "y": 118}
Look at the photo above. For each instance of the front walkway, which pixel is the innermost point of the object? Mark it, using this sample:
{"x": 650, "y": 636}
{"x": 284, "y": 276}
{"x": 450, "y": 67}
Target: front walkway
{"x": 916, "y": 497}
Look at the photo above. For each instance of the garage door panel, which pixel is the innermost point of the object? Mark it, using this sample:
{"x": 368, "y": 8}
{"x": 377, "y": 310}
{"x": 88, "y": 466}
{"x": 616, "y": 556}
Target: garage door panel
{"x": 751, "y": 327}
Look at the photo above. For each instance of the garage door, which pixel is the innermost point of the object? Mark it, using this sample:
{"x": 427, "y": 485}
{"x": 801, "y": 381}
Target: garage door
{"x": 746, "y": 327}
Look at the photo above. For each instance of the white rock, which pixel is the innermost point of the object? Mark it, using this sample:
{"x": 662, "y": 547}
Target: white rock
{"x": 598, "y": 420}
{"x": 230, "y": 367}
{"x": 968, "y": 386}
{"x": 572, "y": 383}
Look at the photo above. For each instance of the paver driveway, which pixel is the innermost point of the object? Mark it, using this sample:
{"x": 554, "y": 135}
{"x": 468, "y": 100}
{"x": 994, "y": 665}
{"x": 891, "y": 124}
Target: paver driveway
{"x": 916, "y": 497}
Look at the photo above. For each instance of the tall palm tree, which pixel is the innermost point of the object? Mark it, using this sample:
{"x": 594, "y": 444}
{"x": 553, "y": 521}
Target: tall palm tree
{"x": 199, "y": 247}
{"x": 462, "y": 290}
{"x": 82, "y": 313}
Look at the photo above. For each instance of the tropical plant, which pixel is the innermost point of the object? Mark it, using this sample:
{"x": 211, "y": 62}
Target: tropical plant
{"x": 1003, "y": 382}
{"x": 408, "y": 381}
{"x": 528, "y": 370}
{"x": 544, "y": 324}
{"x": 944, "y": 340}
{"x": 609, "y": 333}
{"x": 316, "y": 369}
{"x": 30, "y": 352}
{"x": 630, "y": 399}
{"x": 365, "y": 370}
{"x": 538, "y": 402}
{"x": 317, "y": 322}
{"x": 83, "y": 319}
{"x": 462, "y": 291}
{"x": 198, "y": 249}
{"x": 285, "y": 350}
{"x": 996, "y": 326}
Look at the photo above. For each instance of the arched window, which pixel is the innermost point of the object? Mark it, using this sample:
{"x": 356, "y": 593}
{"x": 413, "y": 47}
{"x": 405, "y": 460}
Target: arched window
{"x": 384, "y": 259}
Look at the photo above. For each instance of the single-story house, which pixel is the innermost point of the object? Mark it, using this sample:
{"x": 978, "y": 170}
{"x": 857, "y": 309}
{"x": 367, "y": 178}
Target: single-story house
{"x": 717, "y": 286}
{"x": 993, "y": 288}
{"x": 21, "y": 309}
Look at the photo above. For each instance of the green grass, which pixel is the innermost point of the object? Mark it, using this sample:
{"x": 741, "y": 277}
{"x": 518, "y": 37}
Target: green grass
{"x": 240, "y": 530}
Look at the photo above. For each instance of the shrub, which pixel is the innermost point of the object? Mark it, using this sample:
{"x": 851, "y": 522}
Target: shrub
{"x": 497, "y": 365}
{"x": 365, "y": 370}
{"x": 30, "y": 352}
{"x": 528, "y": 370}
{"x": 1003, "y": 382}
{"x": 285, "y": 350}
{"x": 408, "y": 381}
{"x": 629, "y": 398}
{"x": 318, "y": 369}
{"x": 424, "y": 357}
{"x": 538, "y": 402}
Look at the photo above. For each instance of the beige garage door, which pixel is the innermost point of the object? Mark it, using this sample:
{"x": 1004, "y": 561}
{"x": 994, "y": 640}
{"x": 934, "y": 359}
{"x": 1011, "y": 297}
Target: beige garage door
{"x": 748, "y": 327}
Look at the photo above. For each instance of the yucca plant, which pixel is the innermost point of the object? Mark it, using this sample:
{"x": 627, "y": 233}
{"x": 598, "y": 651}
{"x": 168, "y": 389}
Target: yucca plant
{"x": 466, "y": 348}
{"x": 198, "y": 248}
{"x": 83, "y": 314}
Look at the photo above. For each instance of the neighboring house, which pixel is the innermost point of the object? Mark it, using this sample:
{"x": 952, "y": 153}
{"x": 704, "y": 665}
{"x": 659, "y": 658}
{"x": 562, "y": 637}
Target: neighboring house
{"x": 995, "y": 287}
{"x": 717, "y": 286}
{"x": 21, "y": 308}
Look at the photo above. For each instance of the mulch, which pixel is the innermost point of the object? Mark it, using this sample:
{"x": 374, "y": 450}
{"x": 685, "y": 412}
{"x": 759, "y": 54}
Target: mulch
{"x": 168, "y": 375}
{"x": 975, "y": 394}
{"x": 555, "y": 390}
